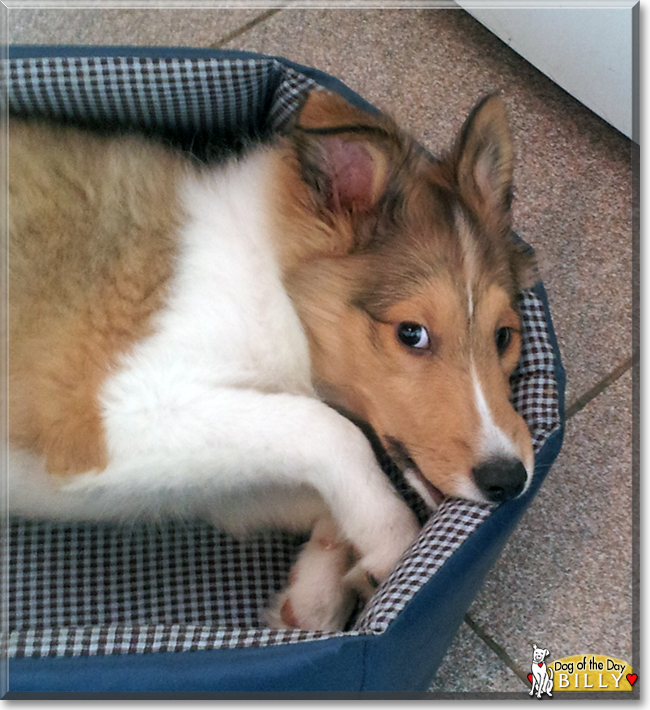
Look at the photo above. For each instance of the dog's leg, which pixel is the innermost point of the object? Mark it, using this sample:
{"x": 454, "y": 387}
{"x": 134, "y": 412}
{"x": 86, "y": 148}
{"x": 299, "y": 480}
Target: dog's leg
{"x": 548, "y": 684}
{"x": 228, "y": 440}
{"x": 317, "y": 597}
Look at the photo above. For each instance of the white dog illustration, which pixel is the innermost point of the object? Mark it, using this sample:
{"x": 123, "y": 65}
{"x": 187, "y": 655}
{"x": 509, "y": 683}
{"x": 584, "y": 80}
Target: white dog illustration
{"x": 541, "y": 679}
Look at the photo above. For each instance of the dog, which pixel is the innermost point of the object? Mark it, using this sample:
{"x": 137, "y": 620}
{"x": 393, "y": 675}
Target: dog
{"x": 202, "y": 340}
{"x": 542, "y": 681}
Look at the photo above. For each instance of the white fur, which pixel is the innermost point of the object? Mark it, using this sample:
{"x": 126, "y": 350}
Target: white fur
{"x": 319, "y": 595}
{"x": 215, "y": 414}
{"x": 542, "y": 681}
{"x": 468, "y": 245}
{"x": 495, "y": 442}
{"x": 416, "y": 483}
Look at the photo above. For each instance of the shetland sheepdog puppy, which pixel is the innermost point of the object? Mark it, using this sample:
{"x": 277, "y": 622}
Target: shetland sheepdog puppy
{"x": 197, "y": 340}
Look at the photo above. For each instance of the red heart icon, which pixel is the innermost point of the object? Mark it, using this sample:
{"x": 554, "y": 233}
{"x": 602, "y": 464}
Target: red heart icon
{"x": 530, "y": 677}
{"x": 540, "y": 664}
{"x": 631, "y": 678}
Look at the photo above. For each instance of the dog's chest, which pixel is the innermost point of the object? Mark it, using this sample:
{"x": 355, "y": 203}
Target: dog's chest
{"x": 228, "y": 321}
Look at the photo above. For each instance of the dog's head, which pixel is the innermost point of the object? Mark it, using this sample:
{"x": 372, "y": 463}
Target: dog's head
{"x": 405, "y": 274}
{"x": 539, "y": 654}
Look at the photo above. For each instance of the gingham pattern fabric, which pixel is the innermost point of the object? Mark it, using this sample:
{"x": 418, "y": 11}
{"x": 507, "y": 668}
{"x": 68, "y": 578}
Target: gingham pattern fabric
{"x": 118, "y": 639}
{"x": 534, "y": 391}
{"x": 103, "y": 589}
{"x": 173, "y": 97}
{"x": 443, "y": 533}
{"x": 89, "y": 575}
{"x": 100, "y": 589}
{"x": 174, "y": 94}
{"x": 292, "y": 90}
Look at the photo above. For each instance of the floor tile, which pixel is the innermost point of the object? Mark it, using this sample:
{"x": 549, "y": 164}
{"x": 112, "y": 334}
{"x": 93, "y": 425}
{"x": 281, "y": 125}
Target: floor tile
{"x": 471, "y": 666}
{"x": 573, "y": 175}
{"x": 564, "y": 579}
{"x": 169, "y": 27}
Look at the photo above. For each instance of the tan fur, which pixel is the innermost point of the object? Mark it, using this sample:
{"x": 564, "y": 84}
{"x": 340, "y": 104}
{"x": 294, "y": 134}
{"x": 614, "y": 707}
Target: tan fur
{"x": 89, "y": 263}
{"x": 323, "y": 108}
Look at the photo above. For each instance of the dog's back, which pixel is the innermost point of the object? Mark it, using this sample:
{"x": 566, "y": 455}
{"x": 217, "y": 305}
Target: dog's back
{"x": 91, "y": 224}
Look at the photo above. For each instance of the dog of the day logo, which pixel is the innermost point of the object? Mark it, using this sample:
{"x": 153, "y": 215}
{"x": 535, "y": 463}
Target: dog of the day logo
{"x": 589, "y": 672}
{"x": 540, "y": 676}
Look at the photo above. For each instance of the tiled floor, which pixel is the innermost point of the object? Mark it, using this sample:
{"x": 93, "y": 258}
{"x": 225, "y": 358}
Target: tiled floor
{"x": 565, "y": 578}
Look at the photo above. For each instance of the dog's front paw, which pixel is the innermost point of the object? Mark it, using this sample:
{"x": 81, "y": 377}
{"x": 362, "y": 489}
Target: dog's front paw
{"x": 317, "y": 597}
{"x": 312, "y": 610}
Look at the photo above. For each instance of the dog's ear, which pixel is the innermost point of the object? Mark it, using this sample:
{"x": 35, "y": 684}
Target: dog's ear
{"x": 534, "y": 647}
{"x": 524, "y": 264}
{"x": 484, "y": 162}
{"x": 343, "y": 153}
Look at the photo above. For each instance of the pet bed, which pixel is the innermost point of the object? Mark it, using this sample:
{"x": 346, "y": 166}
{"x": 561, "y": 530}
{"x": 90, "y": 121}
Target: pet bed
{"x": 177, "y": 607}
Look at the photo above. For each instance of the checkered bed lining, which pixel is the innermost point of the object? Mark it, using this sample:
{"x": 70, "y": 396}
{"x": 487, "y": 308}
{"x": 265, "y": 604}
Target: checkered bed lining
{"x": 89, "y": 589}
{"x": 169, "y": 95}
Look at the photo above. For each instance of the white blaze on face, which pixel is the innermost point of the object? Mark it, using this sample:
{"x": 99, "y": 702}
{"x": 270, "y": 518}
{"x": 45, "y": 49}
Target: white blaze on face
{"x": 469, "y": 259}
{"x": 495, "y": 443}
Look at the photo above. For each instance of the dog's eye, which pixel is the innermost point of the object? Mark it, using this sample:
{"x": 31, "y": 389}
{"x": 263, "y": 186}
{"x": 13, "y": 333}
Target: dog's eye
{"x": 413, "y": 335}
{"x": 502, "y": 338}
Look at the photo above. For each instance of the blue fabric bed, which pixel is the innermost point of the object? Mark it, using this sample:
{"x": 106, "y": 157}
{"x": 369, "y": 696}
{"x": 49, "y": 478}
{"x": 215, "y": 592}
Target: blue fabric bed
{"x": 162, "y": 637}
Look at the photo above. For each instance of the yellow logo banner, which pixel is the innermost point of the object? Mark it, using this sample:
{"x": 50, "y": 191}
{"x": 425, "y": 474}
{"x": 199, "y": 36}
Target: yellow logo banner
{"x": 590, "y": 672}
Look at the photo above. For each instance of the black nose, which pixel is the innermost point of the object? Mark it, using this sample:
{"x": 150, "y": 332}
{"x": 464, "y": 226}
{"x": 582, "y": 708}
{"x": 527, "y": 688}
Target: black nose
{"x": 500, "y": 479}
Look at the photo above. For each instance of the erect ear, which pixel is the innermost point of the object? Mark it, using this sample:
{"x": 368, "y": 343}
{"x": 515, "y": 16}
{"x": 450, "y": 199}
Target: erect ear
{"x": 344, "y": 153}
{"x": 484, "y": 158}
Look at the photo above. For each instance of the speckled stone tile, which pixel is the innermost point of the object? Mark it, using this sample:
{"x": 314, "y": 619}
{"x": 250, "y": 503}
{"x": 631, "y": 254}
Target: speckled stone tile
{"x": 470, "y": 666}
{"x": 573, "y": 173}
{"x": 564, "y": 580}
{"x": 169, "y": 27}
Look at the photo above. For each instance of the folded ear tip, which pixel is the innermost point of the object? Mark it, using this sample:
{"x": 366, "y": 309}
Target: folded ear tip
{"x": 325, "y": 108}
{"x": 344, "y": 152}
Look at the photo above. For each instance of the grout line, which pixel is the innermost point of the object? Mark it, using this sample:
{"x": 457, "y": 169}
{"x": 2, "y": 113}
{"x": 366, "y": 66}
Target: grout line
{"x": 498, "y": 650}
{"x": 262, "y": 17}
{"x": 591, "y": 394}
